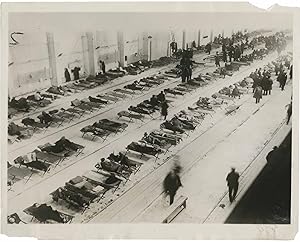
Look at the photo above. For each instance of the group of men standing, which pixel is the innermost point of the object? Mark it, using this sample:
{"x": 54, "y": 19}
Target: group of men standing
{"x": 186, "y": 66}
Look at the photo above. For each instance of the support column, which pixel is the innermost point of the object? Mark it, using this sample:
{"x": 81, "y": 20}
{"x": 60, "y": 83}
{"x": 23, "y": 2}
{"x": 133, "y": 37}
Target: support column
{"x": 150, "y": 48}
{"x": 183, "y": 39}
{"x": 145, "y": 45}
{"x": 211, "y": 36}
{"x": 91, "y": 54}
{"x": 199, "y": 38}
{"x": 85, "y": 57}
{"x": 223, "y": 33}
{"x": 52, "y": 59}
{"x": 120, "y": 38}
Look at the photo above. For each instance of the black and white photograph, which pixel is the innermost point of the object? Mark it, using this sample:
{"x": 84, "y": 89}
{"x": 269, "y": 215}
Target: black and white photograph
{"x": 148, "y": 117}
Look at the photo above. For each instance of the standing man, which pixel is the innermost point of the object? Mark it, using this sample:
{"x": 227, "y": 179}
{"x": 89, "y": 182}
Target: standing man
{"x": 103, "y": 67}
{"x": 233, "y": 184}
{"x": 217, "y": 59}
{"x": 164, "y": 109}
{"x": 172, "y": 182}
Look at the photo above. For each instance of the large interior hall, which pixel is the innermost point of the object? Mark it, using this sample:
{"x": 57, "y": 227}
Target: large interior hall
{"x": 149, "y": 118}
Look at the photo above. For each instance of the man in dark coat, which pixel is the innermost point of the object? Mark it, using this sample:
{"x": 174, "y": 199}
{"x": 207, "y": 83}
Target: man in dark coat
{"x": 289, "y": 113}
{"x": 103, "y": 67}
{"x": 282, "y": 77}
{"x": 208, "y": 48}
{"x": 164, "y": 109}
{"x": 76, "y": 73}
{"x": 172, "y": 182}
{"x": 217, "y": 59}
{"x": 291, "y": 72}
{"x": 233, "y": 184}
{"x": 67, "y": 75}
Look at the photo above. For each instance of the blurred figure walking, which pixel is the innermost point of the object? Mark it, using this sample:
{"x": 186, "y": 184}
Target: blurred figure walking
{"x": 172, "y": 182}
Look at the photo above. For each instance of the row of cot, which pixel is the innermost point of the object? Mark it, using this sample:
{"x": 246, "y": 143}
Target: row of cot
{"x": 79, "y": 108}
{"x": 41, "y": 160}
{"x": 148, "y": 107}
{"x": 32, "y": 103}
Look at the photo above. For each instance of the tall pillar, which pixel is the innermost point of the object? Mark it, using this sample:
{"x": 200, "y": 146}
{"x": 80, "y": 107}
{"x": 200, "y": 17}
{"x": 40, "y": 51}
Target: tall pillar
{"x": 183, "y": 39}
{"x": 211, "y": 36}
{"x": 52, "y": 59}
{"x": 150, "y": 48}
{"x": 91, "y": 54}
{"x": 145, "y": 45}
{"x": 199, "y": 38}
{"x": 85, "y": 57}
{"x": 223, "y": 33}
{"x": 120, "y": 38}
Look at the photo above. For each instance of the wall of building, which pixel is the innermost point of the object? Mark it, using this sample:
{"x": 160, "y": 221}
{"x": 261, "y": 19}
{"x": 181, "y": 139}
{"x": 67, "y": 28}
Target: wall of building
{"x": 28, "y": 63}
{"x": 106, "y": 49}
{"x": 71, "y": 51}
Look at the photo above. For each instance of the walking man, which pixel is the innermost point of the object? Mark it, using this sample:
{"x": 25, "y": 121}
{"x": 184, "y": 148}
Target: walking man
{"x": 233, "y": 184}
{"x": 172, "y": 182}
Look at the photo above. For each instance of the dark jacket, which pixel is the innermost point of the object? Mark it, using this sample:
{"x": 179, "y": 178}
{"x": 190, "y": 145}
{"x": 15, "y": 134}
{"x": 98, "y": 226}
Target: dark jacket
{"x": 232, "y": 178}
{"x": 172, "y": 182}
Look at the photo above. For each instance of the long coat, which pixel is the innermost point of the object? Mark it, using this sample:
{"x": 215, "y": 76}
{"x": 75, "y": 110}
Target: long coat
{"x": 257, "y": 92}
{"x": 171, "y": 183}
{"x": 164, "y": 109}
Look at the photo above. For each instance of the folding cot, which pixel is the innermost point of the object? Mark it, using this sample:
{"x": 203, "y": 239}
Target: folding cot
{"x": 41, "y": 103}
{"x": 156, "y": 143}
{"x": 103, "y": 179}
{"x": 108, "y": 98}
{"x": 122, "y": 158}
{"x": 122, "y": 126}
{"x": 62, "y": 154}
{"x": 144, "y": 149}
{"x": 134, "y": 87}
{"x": 19, "y": 173}
{"x": 49, "y": 158}
{"x": 54, "y": 119}
{"x": 231, "y": 109}
{"x": 95, "y": 132}
{"x": 92, "y": 104}
{"x": 45, "y": 214}
{"x": 127, "y": 92}
{"x": 141, "y": 110}
{"x": 79, "y": 104}
{"x": 34, "y": 165}
{"x": 65, "y": 116}
{"x": 170, "y": 138}
{"x": 80, "y": 185}
{"x": 173, "y": 91}
{"x": 98, "y": 100}
{"x": 34, "y": 124}
{"x": 75, "y": 200}
{"x": 74, "y": 111}
{"x": 131, "y": 116}
{"x": 116, "y": 94}
{"x": 169, "y": 126}
{"x": 122, "y": 173}
{"x": 104, "y": 126}
{"x": 75, "y": 86}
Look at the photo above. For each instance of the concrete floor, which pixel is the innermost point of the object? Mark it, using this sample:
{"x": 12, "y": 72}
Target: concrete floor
{"x": 199, "y": 155}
